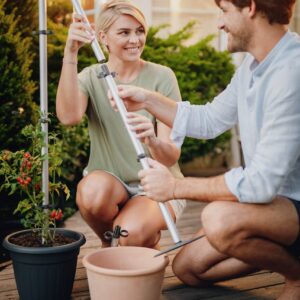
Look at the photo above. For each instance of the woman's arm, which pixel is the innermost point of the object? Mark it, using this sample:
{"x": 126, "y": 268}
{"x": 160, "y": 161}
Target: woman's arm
{"x": 71, "y": 103}
{"x": 165, "y": 151}
{"x": 160, "y": 145}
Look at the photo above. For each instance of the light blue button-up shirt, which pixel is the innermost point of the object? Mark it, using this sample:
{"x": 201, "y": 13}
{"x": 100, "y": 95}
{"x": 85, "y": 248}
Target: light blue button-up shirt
{"x": 263, "y": 99}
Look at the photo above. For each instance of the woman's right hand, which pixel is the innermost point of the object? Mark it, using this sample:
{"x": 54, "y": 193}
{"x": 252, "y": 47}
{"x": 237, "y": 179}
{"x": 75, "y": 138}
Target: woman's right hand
{"x": 143, "y": 128}
{"x": 79, "y": 34}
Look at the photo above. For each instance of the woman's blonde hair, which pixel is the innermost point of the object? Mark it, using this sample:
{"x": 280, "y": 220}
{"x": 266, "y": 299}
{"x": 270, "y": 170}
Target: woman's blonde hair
{"x": 111, "y": 10}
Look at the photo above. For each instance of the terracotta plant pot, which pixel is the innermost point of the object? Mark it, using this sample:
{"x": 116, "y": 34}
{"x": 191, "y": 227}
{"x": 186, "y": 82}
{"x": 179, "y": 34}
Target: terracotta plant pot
{"x": 125, "y": 273}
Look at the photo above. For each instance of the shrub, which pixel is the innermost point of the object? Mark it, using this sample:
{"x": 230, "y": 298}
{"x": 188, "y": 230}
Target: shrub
{"x": 202, "y": 73}
{"x": 16, "y": 86}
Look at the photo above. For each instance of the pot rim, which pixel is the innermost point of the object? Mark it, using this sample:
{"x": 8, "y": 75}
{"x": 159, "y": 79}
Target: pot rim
{"x": 125, "y": 273}
{"x": 80, "y": 240}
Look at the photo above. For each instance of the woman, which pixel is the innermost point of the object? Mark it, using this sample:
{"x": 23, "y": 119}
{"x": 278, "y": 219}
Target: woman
{"x": 109, "y": 193}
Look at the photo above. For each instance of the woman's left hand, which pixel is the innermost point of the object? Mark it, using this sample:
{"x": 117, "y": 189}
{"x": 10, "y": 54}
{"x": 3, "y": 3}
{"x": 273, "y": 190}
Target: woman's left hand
{"x": 143, "y": 128}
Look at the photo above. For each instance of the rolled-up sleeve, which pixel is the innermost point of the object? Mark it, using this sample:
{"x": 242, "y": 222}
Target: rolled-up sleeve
{"x": 209, "y": 120}
{"x": 179, "y": 128}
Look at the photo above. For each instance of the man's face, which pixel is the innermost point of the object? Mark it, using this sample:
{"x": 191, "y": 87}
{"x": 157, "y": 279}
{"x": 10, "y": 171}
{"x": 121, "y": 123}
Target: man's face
{"x": 235, "y": 22}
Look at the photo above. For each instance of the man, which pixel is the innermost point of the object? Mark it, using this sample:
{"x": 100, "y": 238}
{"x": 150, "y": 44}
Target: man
{"x": 253, "y": 220}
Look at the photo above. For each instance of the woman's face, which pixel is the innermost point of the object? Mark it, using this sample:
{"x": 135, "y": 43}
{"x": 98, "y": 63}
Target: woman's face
{"x": 125, "y": 39}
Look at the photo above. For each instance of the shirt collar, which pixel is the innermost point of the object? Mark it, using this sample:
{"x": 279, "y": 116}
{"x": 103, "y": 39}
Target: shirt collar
{"x": 259, "y": 68}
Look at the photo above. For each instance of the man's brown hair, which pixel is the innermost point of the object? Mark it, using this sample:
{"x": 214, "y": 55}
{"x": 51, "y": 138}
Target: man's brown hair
{"x": 276, "y": 11}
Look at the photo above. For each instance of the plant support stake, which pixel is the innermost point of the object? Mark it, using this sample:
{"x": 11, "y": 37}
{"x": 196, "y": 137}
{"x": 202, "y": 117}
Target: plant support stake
{"x": 107, "y": 75}
{"x": 44, "y": 95}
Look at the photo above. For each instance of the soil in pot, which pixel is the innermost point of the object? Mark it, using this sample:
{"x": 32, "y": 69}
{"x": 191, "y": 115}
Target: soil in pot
{"x": 32, "y": 239}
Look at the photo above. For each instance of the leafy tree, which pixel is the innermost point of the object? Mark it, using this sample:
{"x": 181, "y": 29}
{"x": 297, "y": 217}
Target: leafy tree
{"x": 16, "y": 86}
{"x": 26, "y": 12}
{"x": 59, "y": 11}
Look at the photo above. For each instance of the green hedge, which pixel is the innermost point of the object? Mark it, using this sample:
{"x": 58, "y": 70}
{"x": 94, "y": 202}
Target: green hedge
{"x": 202, "y": 73}
{"x": 16, "y": 85}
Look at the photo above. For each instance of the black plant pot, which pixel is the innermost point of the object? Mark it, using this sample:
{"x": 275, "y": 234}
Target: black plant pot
{"x": 45, "y": 273}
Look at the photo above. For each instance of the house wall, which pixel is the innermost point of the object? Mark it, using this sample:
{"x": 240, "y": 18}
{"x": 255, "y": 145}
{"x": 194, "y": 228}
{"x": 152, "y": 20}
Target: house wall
{"x": 295, "y": 25}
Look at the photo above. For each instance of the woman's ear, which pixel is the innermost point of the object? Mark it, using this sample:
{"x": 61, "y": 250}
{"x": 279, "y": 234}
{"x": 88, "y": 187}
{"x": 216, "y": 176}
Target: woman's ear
{"x": 102, "y": 38}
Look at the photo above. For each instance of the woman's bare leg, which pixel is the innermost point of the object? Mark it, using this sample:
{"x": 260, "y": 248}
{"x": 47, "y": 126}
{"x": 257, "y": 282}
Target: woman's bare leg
{"x": 99, "y": 195}
{"x": 143, "y": 219}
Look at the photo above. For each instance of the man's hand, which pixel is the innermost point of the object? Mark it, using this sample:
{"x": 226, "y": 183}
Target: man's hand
{"x": 133, "y": 97}
{"x": 158, "y": 183}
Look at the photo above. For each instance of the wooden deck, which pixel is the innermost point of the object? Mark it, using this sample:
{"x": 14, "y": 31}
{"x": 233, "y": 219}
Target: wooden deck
{"x": 259, "y": 286}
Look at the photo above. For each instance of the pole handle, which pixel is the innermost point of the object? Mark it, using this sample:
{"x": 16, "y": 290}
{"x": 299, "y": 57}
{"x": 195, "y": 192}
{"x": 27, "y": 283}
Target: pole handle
{"x": 95, "y": 45}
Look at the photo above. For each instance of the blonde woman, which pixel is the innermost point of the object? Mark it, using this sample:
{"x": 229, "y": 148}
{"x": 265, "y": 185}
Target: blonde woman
{"x": 109, "y": 193}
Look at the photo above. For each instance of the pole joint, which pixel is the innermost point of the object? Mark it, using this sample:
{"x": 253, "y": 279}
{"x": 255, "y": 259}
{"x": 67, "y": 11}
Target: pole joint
{"x": 42, "y": 32}
{"x": 141, "y": 156}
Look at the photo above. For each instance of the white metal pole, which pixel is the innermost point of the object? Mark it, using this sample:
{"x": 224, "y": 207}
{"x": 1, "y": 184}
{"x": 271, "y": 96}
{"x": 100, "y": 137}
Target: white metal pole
{"x": 44, "y": 93}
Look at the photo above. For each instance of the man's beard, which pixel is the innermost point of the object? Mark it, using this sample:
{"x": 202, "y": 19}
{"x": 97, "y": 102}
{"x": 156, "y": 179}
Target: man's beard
{"x": 239, "y": 42}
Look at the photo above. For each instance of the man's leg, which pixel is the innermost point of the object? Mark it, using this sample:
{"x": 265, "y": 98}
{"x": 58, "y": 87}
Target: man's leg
{"x": 99, "y": 195}
{"x": 200, "y": 264}
{"x": 254, "y": 235}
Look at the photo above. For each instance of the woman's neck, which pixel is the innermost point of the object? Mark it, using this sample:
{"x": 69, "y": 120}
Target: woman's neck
{"x": 125, "y": 71}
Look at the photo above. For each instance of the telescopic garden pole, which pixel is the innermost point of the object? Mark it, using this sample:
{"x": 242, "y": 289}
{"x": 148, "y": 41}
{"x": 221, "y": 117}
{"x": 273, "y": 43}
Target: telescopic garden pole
{"x": 107, "y": 75}
{"x": 44, "y": 95}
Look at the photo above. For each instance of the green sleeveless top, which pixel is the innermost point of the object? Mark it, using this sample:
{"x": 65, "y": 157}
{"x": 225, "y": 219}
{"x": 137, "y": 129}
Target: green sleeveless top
{"x": 110, "y": 146}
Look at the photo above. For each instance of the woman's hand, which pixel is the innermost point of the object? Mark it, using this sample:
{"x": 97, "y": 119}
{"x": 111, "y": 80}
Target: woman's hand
{"x": 79, "y": 34}
{"x": 143, "y": 128}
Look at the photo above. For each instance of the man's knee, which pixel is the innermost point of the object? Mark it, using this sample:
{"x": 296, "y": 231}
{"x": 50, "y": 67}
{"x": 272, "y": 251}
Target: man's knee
{"x": 184, "y": 270}
{"x": 181, "y": 268}
{"x": 224, "y": 225}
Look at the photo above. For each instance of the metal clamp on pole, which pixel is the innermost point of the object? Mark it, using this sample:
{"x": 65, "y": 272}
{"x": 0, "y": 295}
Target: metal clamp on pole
{"x": 114, "y": 236}
{"x": 108, "y": 76}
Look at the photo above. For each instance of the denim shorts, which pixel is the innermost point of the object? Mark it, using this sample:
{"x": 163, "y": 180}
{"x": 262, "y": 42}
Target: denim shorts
{"x": 295, "y": 247}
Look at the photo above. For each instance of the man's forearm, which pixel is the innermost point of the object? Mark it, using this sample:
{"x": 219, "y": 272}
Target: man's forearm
{"x": 203, "y": 189}
{"x": 161, "y": 107}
